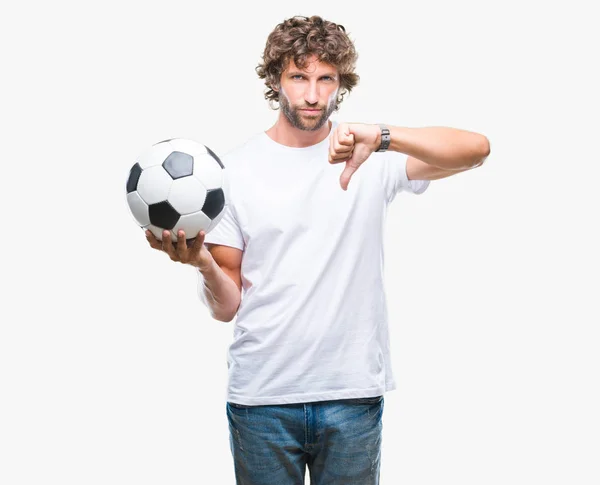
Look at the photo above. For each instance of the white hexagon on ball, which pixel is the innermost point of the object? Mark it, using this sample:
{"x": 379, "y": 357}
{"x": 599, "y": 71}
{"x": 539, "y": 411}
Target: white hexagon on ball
{"x": 139, "y": 208}
{"x": 154, "y": 184}
{"x": 192, "y": 224}
{"x": 187, "y": 195}
{"x": 208, "y": 171}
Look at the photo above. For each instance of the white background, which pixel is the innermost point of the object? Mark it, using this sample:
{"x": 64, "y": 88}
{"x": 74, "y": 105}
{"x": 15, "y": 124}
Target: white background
{"x": 111, "y": 369}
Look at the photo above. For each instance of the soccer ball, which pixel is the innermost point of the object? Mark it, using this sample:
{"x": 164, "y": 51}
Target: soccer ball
{"x": 177, "y": 184}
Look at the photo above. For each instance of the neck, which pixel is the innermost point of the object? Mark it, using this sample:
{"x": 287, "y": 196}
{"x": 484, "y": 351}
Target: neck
{"x": 284, "y": 133}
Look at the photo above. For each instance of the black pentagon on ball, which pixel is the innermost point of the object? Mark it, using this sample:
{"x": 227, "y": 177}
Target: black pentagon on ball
{"x": 134, "y": 176}
{"x": 214, "y": 156}
{"x": 163, "y": 215}
{"x": 179, "y": 164}
{"x": 214, "y": 203}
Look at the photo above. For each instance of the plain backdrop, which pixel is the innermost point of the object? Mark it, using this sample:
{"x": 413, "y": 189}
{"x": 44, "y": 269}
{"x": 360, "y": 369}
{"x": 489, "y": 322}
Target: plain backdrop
{"x": 111, "y": 369}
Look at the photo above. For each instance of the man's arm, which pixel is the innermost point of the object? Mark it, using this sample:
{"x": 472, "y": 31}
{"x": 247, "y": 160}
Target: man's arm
{"x": 438, "y": 152}
{"x": 433, "y": 152}
{"x": 418, "y": 170}
{"x": 218, "y": 266}
{"x": 221, "y": 283}
{"x": 441, "y": 147}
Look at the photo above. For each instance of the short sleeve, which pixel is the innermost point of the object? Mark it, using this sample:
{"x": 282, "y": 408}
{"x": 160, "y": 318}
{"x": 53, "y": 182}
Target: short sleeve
{"x": 227, "y": 231}
{"x": 395, "y": 179}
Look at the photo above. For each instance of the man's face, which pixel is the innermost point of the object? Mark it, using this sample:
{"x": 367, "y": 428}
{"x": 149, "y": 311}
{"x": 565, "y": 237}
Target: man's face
{"x": 308, "y": 97}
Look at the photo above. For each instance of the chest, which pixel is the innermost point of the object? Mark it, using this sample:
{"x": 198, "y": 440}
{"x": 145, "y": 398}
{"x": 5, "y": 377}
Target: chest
{"x": 295, "y": 202}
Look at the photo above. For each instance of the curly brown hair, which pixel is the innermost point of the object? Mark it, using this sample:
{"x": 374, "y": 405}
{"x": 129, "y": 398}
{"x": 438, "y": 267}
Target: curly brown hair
{"x": 299, "y": 38}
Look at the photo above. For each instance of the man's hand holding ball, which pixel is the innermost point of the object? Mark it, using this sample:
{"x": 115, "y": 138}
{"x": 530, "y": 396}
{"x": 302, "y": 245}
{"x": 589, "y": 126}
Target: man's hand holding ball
{"x": 196, "y": 254}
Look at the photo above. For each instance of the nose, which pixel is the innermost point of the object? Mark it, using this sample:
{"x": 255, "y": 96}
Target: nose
{"x": 311, "y": 95}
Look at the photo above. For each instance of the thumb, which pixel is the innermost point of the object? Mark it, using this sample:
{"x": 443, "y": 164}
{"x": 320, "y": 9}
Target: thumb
{"x": 346, "y": 138}
{"x": 347, "y": 174}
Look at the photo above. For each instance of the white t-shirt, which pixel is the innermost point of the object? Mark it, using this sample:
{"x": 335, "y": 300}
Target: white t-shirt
{"x": 312, "y": 324}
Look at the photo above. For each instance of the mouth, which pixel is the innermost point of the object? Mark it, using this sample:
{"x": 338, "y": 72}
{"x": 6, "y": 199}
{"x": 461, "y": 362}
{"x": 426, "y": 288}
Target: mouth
{"x": 311, "y": 110}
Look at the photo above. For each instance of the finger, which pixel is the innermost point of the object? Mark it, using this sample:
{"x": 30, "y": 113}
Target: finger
{"x": 346, "y": 139}
{"x": 167, "y": 245}
{"x": 342, "y": 156}
{"x": 343, "y": 150}
{"x": 181, "y": 245}
{"x": 154, "y": 243}
{"x": 343, "y": 145}
{"x": 198, "y": 242}
{"x": 340, "y": 148}
{"x": 339, "y": 152}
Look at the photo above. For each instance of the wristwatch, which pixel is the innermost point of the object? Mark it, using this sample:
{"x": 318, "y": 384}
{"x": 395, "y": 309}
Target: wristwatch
{"x": 385, "y": 139}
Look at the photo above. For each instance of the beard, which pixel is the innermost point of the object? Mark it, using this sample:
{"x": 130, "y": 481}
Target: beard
{"x": 296, "y": 119}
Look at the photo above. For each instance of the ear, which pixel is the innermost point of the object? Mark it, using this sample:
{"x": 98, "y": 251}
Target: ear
{"x": 276, "y": 84}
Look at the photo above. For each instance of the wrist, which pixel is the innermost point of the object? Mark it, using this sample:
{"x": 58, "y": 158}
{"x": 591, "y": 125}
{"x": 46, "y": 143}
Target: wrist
{"x": 377, "y": 142}
{"x": 203, "y": 267}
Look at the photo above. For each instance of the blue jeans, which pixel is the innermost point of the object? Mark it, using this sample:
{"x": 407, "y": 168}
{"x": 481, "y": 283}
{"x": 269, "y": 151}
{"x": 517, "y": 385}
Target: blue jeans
{"x": 339, "y": 441}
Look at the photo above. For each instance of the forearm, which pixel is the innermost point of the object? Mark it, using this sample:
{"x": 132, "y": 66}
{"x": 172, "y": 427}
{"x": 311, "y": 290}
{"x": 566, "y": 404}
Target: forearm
{"x": 218, "y": 292}
{"x": 442, "y": 147}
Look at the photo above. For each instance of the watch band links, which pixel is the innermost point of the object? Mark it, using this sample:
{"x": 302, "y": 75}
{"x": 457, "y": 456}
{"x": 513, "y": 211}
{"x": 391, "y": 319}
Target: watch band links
{"x": 385, "y": 138}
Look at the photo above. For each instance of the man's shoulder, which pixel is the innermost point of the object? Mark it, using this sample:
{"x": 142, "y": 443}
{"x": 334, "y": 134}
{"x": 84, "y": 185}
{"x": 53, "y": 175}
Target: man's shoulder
{"x": 242, "y": 152}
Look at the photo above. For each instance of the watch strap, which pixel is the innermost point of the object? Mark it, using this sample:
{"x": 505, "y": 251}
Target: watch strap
{"x": 385, "y": 139}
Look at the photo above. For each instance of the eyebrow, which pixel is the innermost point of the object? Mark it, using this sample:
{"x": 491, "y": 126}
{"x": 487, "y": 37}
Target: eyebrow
{"x": 301, "y": 73}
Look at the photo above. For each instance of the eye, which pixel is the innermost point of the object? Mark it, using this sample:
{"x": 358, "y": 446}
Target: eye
{"x": 328, "y": 78}
{"x": 297, "y": 76}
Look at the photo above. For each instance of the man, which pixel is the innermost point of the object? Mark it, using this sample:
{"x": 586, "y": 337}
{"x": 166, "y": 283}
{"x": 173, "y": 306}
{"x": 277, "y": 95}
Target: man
{"x": 302, "y": 239}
